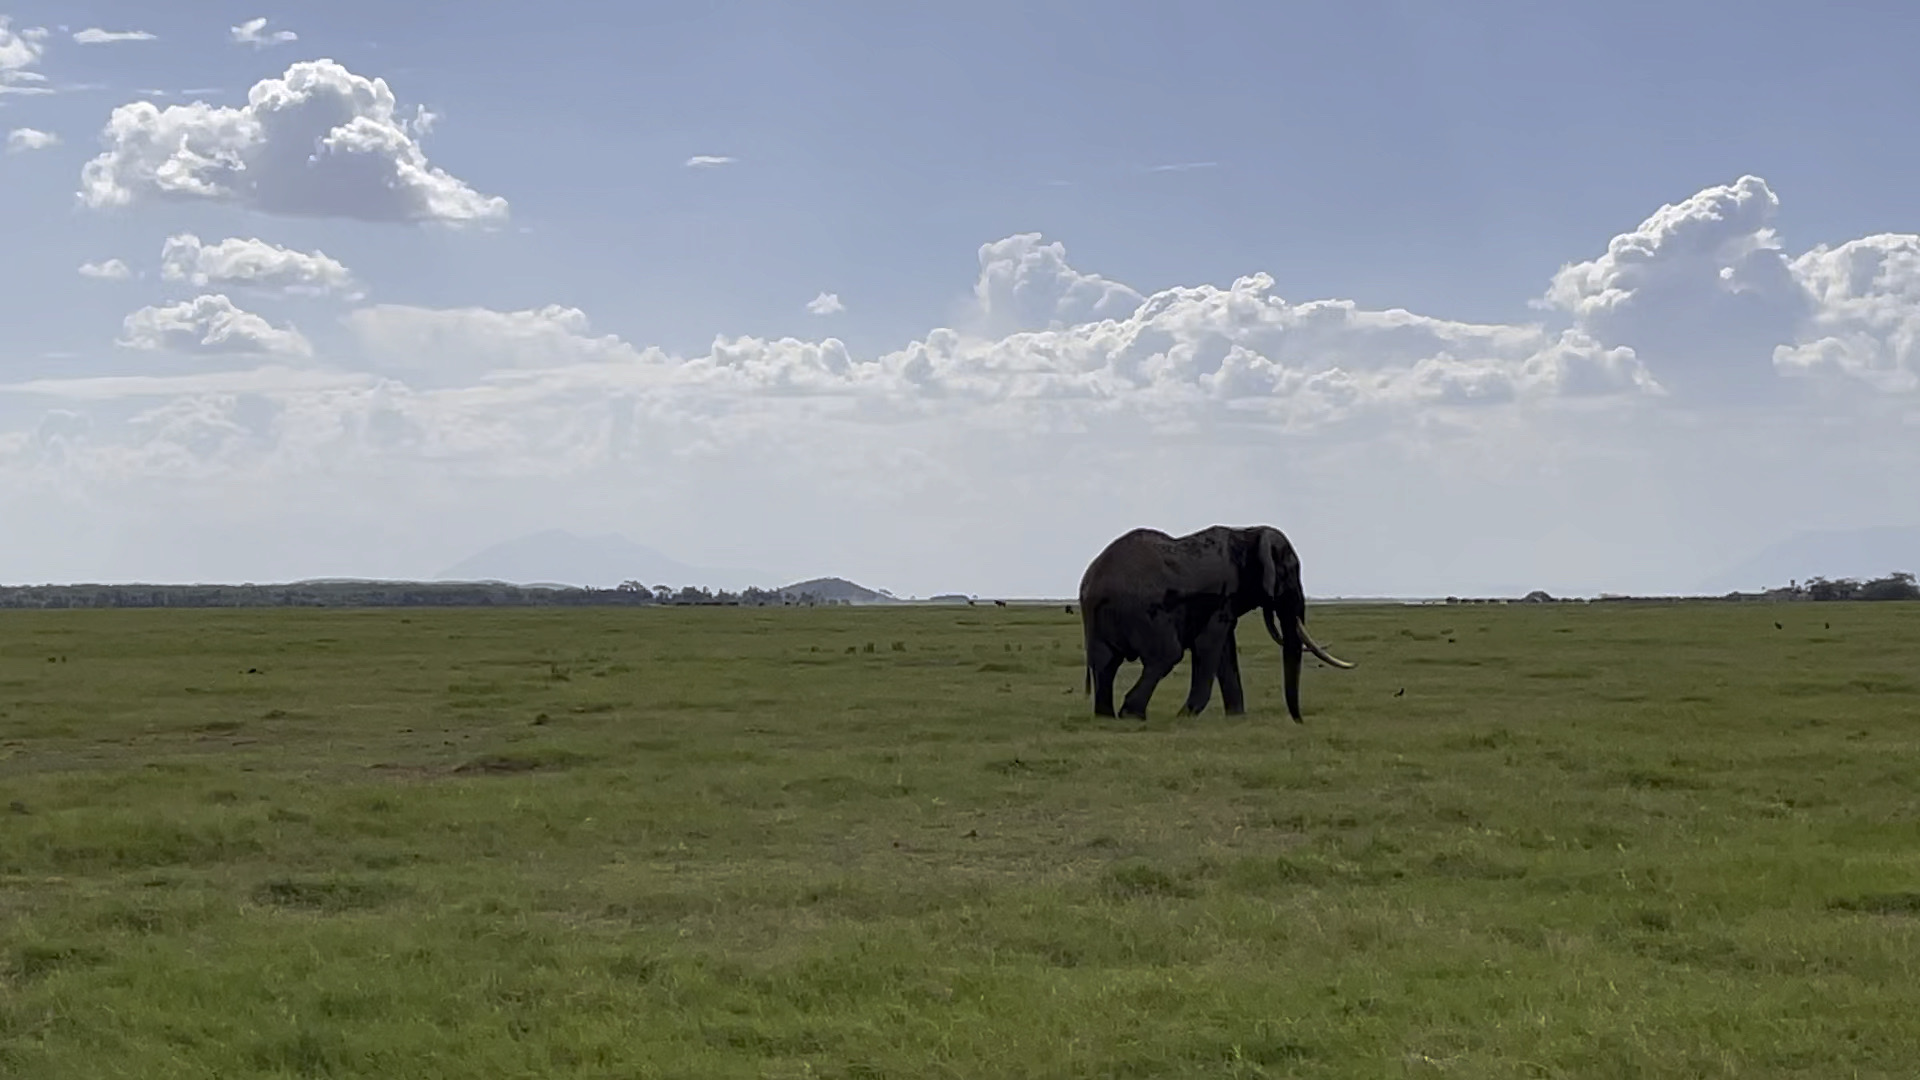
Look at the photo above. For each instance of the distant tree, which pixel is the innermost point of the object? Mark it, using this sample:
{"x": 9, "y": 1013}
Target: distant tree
{"x": 1819, "y": 588}
{"x": 1898, "y": 585}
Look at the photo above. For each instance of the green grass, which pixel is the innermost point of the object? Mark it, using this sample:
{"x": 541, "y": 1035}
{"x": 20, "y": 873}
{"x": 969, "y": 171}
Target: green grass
{"x": 1585, "y": 842}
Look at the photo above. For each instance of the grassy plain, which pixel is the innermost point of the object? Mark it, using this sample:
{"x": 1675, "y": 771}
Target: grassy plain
{"x": 1583, "y": 842}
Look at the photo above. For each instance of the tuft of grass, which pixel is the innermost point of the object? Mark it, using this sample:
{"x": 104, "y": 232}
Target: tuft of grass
{"x": 522, "y": 761}
{"x": 326, "y": 894}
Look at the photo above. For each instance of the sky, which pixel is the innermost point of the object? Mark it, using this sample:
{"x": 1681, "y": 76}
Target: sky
{"x": 1465, "y": 299}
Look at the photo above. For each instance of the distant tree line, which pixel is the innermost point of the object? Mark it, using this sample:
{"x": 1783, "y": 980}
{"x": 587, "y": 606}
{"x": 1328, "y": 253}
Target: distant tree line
{"x": 391, "y": 594}
{"x": 699, "y": 595}
{"x": 1895, "y": 586}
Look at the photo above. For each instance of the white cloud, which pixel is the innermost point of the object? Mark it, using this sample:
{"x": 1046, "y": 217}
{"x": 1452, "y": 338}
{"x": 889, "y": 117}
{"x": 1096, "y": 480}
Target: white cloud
{"x": 1184, "y": 166}
{"x": 20, "y": 50}
{"x": 210, "y": 325}
{"x": 319, "y": 141}
{"x": 24, "y": 139}
{"x": 252, "y": 33}
{"x": 987, "y": 456}
{"x": 460, "y": 345}
{"x": 109, "y": 270}
{"x": 1025, "y": 284}
{"x": 1865, "y": 322}
{"x": 826, "y": 304}
{"x": 1706, "y": 294}
{"x": 707, "y": 161}
{"x": 93, "y": 35}
{"x": 253, "y": 263}
{"x": 1701, "y": 290}
{"x": 1177, "y": 355}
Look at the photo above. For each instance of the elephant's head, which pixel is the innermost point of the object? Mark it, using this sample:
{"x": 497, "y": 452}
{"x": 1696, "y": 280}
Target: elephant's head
{"x": 1274, "y": 565}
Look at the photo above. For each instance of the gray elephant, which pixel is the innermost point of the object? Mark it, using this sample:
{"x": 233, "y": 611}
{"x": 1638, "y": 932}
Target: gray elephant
{"x": 1152, "y": 597}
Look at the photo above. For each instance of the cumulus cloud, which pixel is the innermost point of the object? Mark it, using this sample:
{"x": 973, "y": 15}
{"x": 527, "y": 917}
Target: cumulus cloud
{"x": 1707, "y": 296}
{"x": 253, "y": 32}
{"x": 708, "y": 161}
{"x": 1208, "y": 402}
{"x": 210, "y": 325}
{"x": 1177, "y": 356}
{"x": 319, "y": 141}
{"x": 443, "y": 346}
{"x": 109, "y": 270}
{"x": 253, "y": 263}
{"x": 20, "y": 50}
{"x": 93, "y": 35}
{"x": 1701, "y": 290}
{"x": 1865, "y": 319}
{"x": 1026, "y": 284}
{"x": 826, "y": 304}
{"x": 23, "y": 139}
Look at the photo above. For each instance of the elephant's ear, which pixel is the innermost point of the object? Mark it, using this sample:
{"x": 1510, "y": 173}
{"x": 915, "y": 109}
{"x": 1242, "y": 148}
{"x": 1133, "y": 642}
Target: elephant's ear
{"x": 1269, "y": 570}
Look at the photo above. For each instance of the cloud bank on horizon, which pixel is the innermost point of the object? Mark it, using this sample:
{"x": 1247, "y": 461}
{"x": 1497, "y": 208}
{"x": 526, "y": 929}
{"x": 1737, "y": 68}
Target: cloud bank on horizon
{"x": 342, "y": 429}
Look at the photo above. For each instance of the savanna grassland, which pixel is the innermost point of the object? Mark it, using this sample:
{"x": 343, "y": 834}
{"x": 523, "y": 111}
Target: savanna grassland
{"x": 1585, "y": 841}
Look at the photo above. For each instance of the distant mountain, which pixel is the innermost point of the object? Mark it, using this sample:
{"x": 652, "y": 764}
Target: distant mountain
{"x": 560, "y": 557}
{"x": 1857, "y": 553}
{"x": 833, "y": 588}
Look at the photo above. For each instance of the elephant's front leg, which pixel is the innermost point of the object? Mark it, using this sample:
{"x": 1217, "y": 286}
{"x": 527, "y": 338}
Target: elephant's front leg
{"x": 1207, "y": 656}
{"x": 1232, "y": 695}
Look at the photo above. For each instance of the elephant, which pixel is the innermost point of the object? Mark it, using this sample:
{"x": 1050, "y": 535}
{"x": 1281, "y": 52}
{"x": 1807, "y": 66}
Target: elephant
{"x": 1152, "y": 597}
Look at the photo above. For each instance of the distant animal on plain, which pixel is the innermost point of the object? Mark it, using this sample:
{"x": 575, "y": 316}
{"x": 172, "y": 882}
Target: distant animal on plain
{"x": 1152, "y": 597}
{"x": 999, "y": 603}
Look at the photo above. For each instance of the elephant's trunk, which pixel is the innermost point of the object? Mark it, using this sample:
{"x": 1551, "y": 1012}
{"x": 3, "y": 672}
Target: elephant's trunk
{"x": 1290, "y": 647}
{"x": 1293, "y": 641}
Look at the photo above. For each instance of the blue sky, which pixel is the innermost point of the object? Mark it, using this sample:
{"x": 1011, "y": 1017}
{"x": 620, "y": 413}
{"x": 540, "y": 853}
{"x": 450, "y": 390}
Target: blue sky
{"x": 477, "y": 375}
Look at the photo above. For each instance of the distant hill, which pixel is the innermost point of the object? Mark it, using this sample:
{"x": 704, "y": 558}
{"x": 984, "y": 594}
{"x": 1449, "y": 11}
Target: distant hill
{"x": 839, "y": 590}
{"x": 560, "y": 557}
{"x": 1856, "y": 553}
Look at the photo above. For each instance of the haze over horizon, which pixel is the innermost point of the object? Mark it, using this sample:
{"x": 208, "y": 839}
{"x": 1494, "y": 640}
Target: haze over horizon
{"x": 1469, "y": 300}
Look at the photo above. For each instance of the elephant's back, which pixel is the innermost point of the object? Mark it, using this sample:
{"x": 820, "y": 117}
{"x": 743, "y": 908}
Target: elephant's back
{"x": 1124, "y": 564}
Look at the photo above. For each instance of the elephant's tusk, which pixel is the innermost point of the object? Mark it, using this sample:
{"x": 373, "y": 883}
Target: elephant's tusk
{"x": 1325, "y": 656}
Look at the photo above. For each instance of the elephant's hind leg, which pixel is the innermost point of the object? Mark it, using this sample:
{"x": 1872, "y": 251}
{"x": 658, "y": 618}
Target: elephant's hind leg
{"x": 1156, "y": 661}
{"x": 1105, "y": 663}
